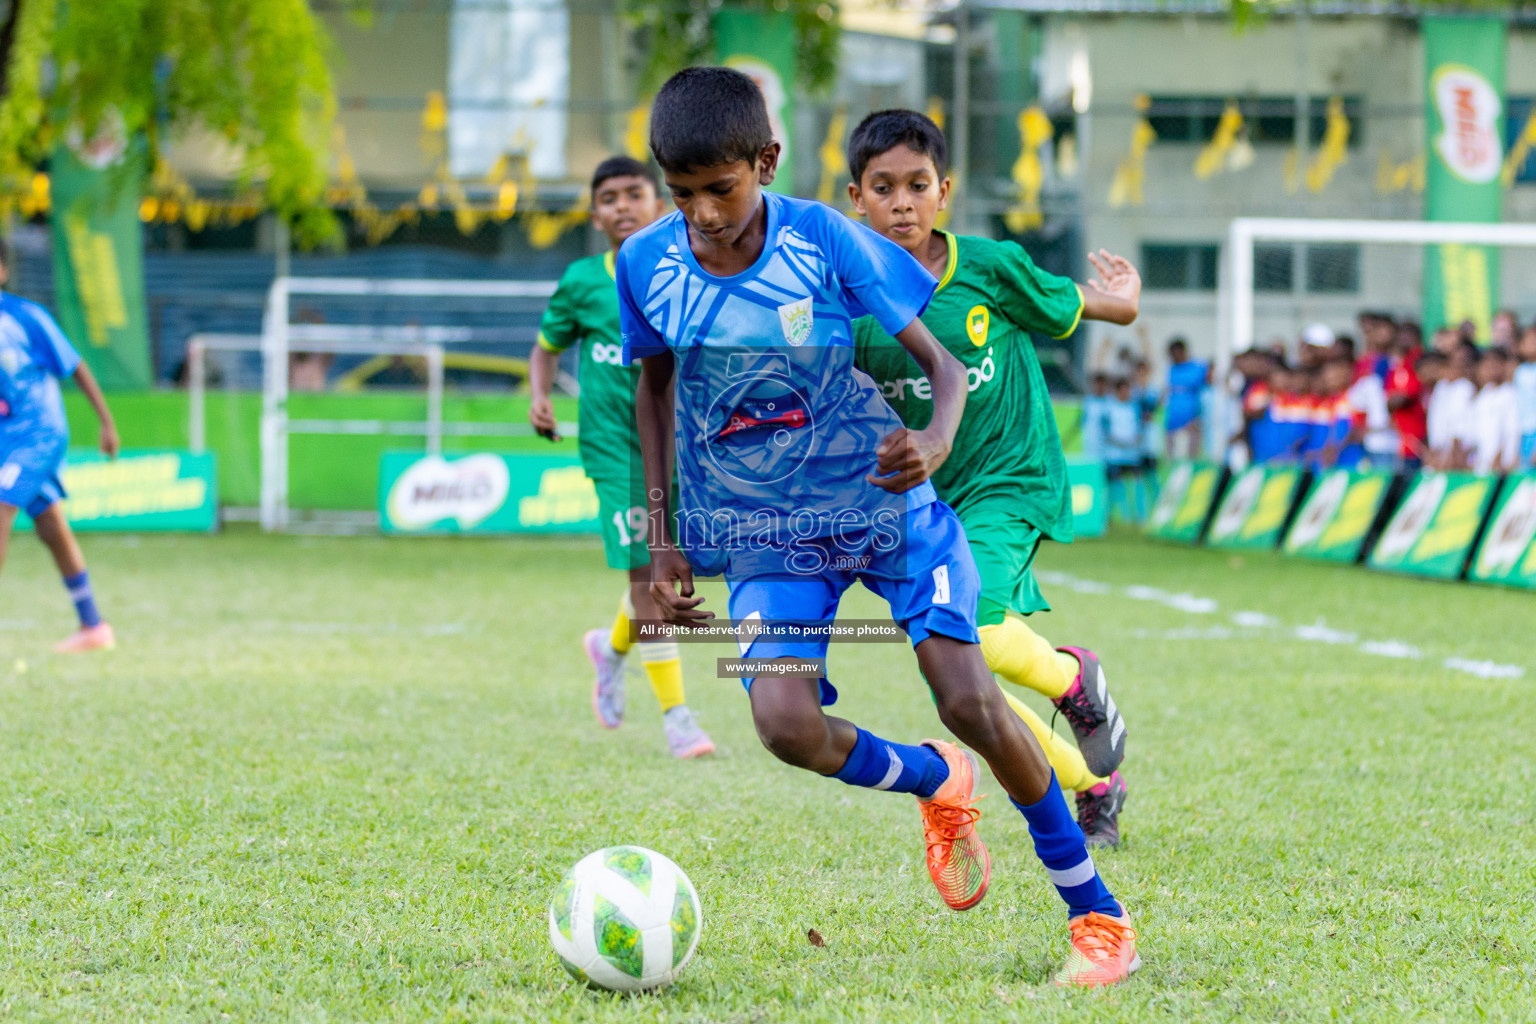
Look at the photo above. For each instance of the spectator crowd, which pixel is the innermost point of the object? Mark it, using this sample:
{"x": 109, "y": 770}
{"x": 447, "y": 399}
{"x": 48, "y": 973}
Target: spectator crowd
{"x": 1385, "y": 401}
{"x": 1388, "y": 403}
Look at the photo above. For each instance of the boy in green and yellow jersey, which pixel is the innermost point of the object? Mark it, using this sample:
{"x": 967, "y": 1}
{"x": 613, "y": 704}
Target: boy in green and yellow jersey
{"x": 1005, "y": 477}
{"x": 585, "y": 310}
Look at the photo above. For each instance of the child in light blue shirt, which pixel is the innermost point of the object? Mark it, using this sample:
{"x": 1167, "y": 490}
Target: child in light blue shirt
{"x": 1525, "y": 397}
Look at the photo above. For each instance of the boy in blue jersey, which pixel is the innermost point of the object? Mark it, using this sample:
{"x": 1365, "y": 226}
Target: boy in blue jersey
{"x": 34, "y": 357}
{"x": 1123, "y": 455}
{"x": 796, "y": 480}
{"x": 1187, "y": 380}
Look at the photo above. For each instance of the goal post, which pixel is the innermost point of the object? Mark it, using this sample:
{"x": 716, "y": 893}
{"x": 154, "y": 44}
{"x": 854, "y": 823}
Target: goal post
{"x": 1236, "y": 305}
{"x": 400, "y": 316}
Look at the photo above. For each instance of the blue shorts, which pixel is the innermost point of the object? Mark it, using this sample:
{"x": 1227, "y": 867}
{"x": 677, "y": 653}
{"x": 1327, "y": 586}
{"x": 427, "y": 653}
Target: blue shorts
{"x": 29, "y": 474}
{"x": 1527, "y": 449}
{"x": 929, "y": 580}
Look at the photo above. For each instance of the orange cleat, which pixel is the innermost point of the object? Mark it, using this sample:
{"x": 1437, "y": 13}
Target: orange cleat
{"x": 1103, "y": 951}
{"x": 90, "y": 638}
{"x": 958, "y": 861}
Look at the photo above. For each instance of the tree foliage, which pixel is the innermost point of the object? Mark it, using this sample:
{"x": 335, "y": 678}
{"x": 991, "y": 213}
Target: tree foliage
{"x": 679, "y": 33}
{"x": 1251, "y": 13}
{"x": 251, "y": 71}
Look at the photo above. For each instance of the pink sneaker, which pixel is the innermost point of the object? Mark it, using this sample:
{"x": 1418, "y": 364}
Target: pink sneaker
{"x": 90, "y": 638}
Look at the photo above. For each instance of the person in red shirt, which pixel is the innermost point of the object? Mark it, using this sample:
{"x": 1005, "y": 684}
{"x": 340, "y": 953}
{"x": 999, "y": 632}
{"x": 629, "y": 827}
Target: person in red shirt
{"x": 1405, "y": 397}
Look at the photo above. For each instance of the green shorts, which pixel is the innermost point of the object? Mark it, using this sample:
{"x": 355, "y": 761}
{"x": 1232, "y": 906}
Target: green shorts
{"x": 1004, "y": 547}
{"x": 621, "y": 513}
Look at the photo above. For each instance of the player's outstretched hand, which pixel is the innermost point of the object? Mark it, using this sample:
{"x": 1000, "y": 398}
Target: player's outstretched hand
{"x": 672, "y": 589}
{"x": 109, "y": 443}
{"x": 1117, "y": 275}
{"x": 906, "y": 458}
{"x": 542, "y": 415}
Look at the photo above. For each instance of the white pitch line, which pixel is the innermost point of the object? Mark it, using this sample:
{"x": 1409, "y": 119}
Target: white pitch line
{"x": 1252, "y": 623}
{"x": 360, "y": 628}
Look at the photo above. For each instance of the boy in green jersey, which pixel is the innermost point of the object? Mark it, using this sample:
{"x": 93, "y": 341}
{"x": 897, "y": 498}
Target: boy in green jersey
{"x": 1006, "y": 477}
{"x": 585, "y": 310}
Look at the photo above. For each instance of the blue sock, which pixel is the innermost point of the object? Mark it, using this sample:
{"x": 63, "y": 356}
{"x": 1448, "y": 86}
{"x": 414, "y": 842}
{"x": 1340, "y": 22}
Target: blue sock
{"x": 875, "y": 763}
{"x": 79, "y": 588}
{"x": 1059, "y": 845}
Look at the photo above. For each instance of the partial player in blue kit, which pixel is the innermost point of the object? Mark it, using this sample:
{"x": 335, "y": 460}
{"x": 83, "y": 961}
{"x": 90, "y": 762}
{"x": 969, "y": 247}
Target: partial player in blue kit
{"x": 34, "y": 357}
{"x": 797, "y": 480}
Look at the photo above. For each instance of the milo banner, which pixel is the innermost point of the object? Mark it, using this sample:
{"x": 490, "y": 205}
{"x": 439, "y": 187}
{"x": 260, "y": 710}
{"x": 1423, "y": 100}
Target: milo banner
{"x": 1090, "y": 497}
{"x": 1464, "y": 107}
{"x": 98, "y": 269}
{"x": 1255, "y": 508}
{"x": 1434, "y": 527}
{"x": 1508, "y": 551}
{"x": 1184, "y": 501}
{"x": 1337, "y": 515}
{"x": 761, "y": 45}
{"x": 485, "y": 493}
{"x": 140, "y": 491}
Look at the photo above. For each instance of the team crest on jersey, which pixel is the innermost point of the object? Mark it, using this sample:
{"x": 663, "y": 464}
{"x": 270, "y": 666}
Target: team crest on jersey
{"x": 977, "y": 322}
{"x": 796, "y": 320}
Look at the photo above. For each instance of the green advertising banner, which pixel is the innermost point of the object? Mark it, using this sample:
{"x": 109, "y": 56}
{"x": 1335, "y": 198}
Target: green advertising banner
{"x": 141, "y": 491}
{"x": 1254, "y": 509}
{"x": 1337, "y": 515}
{"x": 1184, "y": 500}
{"x": 1433, "y": 528}
{"x": 1464, "y": 108}
{"x": 1508, "y": 552}
{"x": 761, "y": 45}
{"x": 98, "y": 267}
{"x": 485, "y": 493}
{"x": 1090, "y": 497}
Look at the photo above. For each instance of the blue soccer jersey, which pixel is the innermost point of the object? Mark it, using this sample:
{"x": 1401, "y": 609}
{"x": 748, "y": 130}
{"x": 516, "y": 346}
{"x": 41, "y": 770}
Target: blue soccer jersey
{"x": 34, "y": 355}
{"x": 776, "y": 427}
{"x": 1186, "y": 383}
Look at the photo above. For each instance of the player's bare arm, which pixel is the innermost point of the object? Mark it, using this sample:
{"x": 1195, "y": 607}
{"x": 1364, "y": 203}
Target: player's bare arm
{"x": 543, "y": 367}
{"x": 671, "y": 575}
{"x": 908, "y": 457}
{"x": 108, "y": 440}
{"x": 1115, "y": 295}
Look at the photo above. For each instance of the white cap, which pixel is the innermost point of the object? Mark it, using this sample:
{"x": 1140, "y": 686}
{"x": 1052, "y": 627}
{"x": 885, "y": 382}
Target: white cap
{"x": 1319, "y": 335}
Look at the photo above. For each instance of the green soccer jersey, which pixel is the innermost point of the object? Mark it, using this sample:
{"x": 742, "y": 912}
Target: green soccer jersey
{"x": 1007, "y": 452}
{"x": 585, "y": 309}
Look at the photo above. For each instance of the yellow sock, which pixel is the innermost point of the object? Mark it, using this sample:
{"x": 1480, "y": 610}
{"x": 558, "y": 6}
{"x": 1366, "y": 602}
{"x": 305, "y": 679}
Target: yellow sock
{"x": 664, "y": 668}
{"x": 620, "y": 637}
{"x": 1071, "y": 770}
{"x": 1023, "y": 657}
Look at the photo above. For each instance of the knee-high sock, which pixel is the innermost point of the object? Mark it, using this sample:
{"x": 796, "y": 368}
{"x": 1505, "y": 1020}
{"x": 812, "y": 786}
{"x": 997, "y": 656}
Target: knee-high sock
{"x": 80, "y": 593}
{"x": 875, "y": 763}
{"x": 1060, "y": 846}
{"x": 1025, "y": 658}
{"x": 620, "y": 637}
{"x": 664, "y": 668}
{"x": 1064, "y": 756}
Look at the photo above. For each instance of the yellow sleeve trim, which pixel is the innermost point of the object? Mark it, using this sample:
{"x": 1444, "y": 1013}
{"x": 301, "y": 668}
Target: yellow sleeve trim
{"x": 1078, "y": 318}
{"x": 610, "y": 264}
{"x": 954, "y": 260}
{"x": 547, "y": 345}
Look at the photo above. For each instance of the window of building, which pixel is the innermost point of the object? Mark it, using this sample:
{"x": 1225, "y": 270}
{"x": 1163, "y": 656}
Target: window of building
{"x": 1327, "y": 269}
{"x": 1270, "y": 120}
{"x": 1272, "y": 266}
{"x": 1333, "y": 269}
{"x": 1179, "y": 266}
{"x": 1518, "y": 110}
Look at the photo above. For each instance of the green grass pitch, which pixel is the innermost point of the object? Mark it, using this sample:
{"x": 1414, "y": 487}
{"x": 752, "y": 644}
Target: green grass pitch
{"x": 338, "y": 779}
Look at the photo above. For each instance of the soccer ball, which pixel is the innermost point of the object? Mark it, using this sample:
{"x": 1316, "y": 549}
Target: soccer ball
{"x": 625, "y": 919}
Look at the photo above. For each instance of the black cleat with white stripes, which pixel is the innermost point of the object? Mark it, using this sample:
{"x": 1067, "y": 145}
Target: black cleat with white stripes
{"x": 1090, "y": 710}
